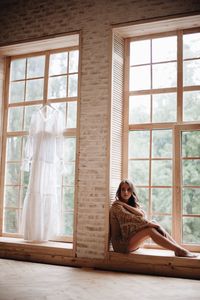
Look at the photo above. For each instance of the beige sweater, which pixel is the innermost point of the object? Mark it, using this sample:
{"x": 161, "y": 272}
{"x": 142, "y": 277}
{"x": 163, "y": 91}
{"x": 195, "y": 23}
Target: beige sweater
{"x": 123, "y": 225}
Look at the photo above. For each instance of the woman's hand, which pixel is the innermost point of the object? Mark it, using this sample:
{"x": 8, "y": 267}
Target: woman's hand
{"x": 154, "y": 225}
{"x": 134, "y": 210}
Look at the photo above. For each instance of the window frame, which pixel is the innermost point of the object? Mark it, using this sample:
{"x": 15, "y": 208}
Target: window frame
{"x": 176, "y": 127}
{"x": 74, "y": 41}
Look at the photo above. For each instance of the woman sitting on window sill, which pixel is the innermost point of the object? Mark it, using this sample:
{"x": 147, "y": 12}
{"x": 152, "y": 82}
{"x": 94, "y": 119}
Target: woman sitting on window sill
{"x": 130, "y": 228}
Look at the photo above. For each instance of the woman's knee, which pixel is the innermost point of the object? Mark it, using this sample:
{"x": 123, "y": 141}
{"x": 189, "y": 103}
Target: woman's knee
{"x": 152, "y": 231}
{"x": 144, "y": 233}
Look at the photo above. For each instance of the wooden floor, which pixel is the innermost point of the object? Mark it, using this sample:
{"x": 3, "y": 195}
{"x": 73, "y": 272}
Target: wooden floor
{"x": 25, "y": 280}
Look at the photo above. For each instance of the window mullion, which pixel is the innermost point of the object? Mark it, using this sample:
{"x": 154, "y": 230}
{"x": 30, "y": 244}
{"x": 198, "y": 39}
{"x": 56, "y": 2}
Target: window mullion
{"x": 177, "y": 206}
{"x": 46, "y": 74}
{"x": 150, "y": 176}
{"x": 176, "y": 211}
{"x": 179, "y": 77}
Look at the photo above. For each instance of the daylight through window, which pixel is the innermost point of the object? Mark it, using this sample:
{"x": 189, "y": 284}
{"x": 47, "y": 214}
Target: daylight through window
{"x": 163, "y": 151}
{"x": 33, "y": 80}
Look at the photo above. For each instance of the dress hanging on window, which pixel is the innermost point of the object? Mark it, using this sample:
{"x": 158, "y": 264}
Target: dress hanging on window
{"x": 44, "y": 158}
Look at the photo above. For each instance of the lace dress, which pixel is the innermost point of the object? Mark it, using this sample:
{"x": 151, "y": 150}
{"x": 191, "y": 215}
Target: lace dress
{"x": 44, "y": 159}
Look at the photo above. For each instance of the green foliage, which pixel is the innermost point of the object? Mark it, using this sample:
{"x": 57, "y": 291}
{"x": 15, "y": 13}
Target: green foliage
{"x": 191, "y": 232}
{"x": 11, "y": 221}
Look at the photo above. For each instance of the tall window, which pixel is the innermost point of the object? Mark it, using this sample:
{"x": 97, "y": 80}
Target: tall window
{"x": 33, "y": 80}
{"x": 162, "y": 129}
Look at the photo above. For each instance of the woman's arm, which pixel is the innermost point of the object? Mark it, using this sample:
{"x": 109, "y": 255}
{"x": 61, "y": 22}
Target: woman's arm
{"x": 137, "y": 212}
{"x": 134, "y": 210}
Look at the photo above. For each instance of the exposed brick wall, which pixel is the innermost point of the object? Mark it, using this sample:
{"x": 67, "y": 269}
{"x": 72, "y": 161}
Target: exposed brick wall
{"x": 25, "y": 19}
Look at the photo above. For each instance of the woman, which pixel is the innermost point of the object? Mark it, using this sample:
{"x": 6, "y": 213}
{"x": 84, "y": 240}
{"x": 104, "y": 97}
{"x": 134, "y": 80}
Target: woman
{"x": 130, "y": 228}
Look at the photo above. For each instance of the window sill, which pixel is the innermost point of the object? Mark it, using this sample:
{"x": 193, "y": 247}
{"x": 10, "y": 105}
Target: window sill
{"x": 143, "y": 261}
{"x": 154, "y": 252}
{"x": 156, "y": 262}
{"x": 48, "y": 248}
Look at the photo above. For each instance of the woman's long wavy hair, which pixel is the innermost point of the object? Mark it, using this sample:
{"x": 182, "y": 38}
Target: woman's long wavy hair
{"x": 133, "y": 200}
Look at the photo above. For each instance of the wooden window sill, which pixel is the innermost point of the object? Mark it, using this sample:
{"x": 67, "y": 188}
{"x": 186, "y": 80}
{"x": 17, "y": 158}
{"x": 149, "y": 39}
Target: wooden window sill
{"x": 153, "y": 252}
{"x": 63, "y": 245}
{"x": 49, "y": 248}
{"x": 143, "y": 261}
{"x": 156, "y": 262}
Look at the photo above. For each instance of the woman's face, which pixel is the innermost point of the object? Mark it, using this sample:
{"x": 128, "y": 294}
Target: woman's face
{"x": 125, "y": 192}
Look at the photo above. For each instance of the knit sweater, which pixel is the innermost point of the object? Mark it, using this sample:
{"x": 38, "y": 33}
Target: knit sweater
{"x": 123, "y": 225}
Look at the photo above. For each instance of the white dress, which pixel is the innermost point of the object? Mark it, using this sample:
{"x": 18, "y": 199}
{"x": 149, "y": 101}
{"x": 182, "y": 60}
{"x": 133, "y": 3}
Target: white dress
{"x": 44, "y": 158}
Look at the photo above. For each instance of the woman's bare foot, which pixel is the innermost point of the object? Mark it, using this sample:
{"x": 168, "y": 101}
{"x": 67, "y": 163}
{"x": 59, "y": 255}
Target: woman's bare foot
{"x": 185, "y": 253}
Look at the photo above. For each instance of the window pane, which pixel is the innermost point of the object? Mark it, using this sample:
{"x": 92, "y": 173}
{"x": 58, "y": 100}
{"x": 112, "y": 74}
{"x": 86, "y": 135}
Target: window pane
{"x": 70, "y": 149}
{"x": 13, "y": 151}
{"x": 12, "y": 173}
{"x": 162, "y": 143}
{"x": 57, "y": 87}
{"x": 34, "y": 89}
{"x": 35, "y": 66}
{"x": 191, "y": 143}
{"x": 191, "y": 106}
{"x": 16, "y": 92}
{"x": 191, "y": 232}
{"x": 73, "y": 61}
{"x": 15, "y": 118}
{"x": 162, "y": 200}
{"x": 139, "y": 109}
{"x": 140, "y": 78}
{"x": 164, "y": 49}
{"x": 69, "y": 177}
{"x": 25, "y": 178}
{"x": 191, "y": 45}
{"x": 191, "y": 172}
{"x": 165, "y": 222}
{"x": 164, "y": 75}
{"x": 138, "y": 172}
{"x": 73, "y": 85}
{"x": 17, "y": 71}
{"x": 139, "y": 143}
{"x": 140, "y": 52}
{"x": 191, "y": 72}
{"x": 58, "y": 63}
{"x": 143, "y": 195}
{"x": 162, "y": 173}
{"x": 10, "y": 220}
{"x": 29, "y": 110}
{"x": 68, "y": 198}
{"x": 71, "y": 114}
{"x": 68, "y": 224}
{"x": 164, "y": 108}
{"x": 191, "y": 201}
{"x": 11, "y": 197}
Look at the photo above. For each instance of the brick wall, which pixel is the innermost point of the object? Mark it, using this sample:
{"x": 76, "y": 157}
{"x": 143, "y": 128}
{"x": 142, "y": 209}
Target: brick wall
{"x": 25, "y": 19}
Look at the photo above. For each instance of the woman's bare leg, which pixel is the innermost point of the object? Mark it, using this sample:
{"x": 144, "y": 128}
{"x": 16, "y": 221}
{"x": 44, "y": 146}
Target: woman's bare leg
{"x": 159, "y": 239}
{"x": 166, "y": 234}
{"x": 146, "y": 233}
